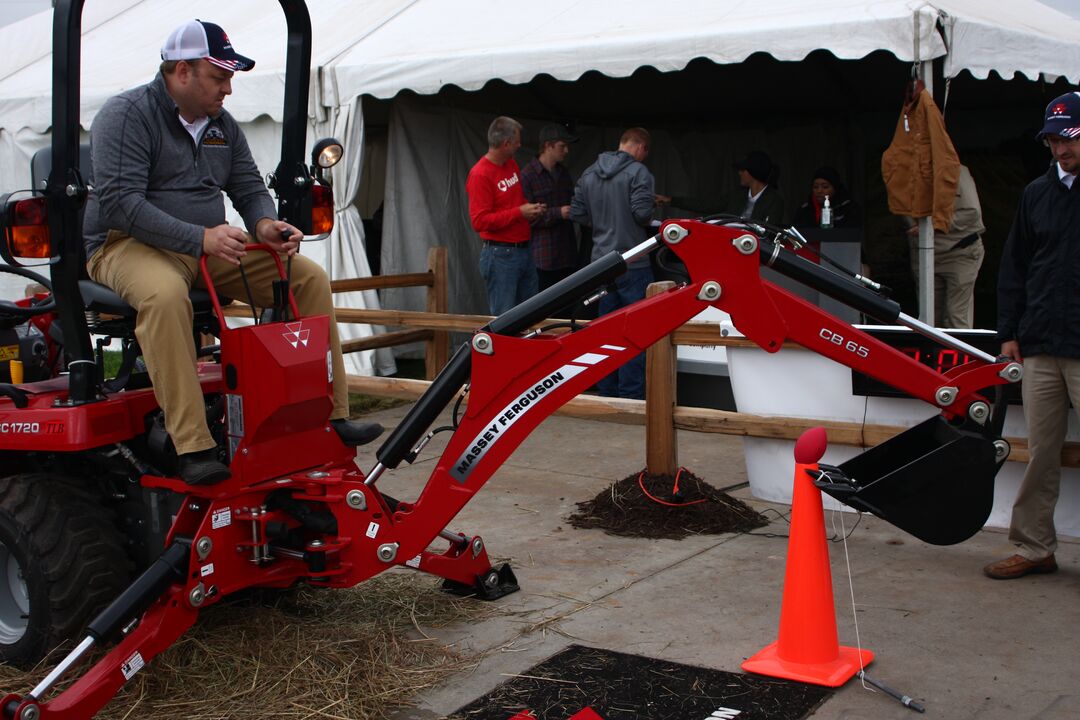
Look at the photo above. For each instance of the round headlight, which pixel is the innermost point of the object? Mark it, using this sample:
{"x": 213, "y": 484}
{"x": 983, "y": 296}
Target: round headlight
{"x": 326, "y": 153}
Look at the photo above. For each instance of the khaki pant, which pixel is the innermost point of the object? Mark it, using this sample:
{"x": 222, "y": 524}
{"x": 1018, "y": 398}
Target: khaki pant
{"x": 955, "y": 272}
{"x": 156, "y": 283}
{"x": 1049, "y": 384}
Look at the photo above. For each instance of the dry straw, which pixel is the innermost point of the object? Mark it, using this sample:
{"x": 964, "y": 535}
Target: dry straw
{"x": 357, "y": 654}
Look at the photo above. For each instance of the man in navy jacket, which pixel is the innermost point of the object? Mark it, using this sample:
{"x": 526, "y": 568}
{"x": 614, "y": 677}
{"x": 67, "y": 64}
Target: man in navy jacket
{"x": 1038, "y": 307}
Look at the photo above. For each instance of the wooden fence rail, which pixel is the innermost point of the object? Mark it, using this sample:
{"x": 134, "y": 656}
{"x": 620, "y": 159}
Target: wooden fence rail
{"x": 724, "y": 422}
{"x": 437, "y": 337}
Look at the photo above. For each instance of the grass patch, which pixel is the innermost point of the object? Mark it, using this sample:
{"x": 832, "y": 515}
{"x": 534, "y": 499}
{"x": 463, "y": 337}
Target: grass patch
{"x": 112, "y": 363}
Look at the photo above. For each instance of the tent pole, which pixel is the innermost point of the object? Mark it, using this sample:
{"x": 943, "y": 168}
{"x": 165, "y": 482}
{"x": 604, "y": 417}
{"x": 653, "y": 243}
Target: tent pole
{"x": 925, "y": 280}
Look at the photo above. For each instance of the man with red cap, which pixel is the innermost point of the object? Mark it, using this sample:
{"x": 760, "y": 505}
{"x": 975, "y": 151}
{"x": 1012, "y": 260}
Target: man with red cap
{"x": 1038, "y": 303}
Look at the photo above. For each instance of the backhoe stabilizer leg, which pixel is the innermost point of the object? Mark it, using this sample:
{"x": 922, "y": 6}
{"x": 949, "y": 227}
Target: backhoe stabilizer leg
{"x": 165, "y": 615}
{"x": 467, "y": 571}
{"x": 490, "y": 585}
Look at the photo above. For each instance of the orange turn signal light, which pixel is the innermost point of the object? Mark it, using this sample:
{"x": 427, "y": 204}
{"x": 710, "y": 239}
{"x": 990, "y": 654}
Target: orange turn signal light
{"x": 322, "y": 209}
{"x": 28, "y": 228}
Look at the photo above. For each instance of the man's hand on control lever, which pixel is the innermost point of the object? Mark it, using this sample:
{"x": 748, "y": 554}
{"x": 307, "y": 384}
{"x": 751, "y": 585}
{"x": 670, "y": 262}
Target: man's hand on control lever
{"x": 1011, "y": 349}
{"x": 225, "y": 242}
{"x": 279, "y": 235}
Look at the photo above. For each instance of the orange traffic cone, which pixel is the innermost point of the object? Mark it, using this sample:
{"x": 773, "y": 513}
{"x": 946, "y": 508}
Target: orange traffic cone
{"x": 807, "y": 649}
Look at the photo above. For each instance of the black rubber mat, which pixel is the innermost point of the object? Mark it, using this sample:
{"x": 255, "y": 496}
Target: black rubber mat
{"x": 618, "y": 686}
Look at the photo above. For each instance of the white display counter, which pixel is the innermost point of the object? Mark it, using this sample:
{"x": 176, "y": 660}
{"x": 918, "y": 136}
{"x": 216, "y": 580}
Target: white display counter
{"x": 798, "y": 383}
{"x": 702, "y": 375}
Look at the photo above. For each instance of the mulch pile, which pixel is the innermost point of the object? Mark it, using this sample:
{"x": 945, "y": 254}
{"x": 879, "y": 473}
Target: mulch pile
{"x": 618, "y": 686}
{"x": 662, "y": 506}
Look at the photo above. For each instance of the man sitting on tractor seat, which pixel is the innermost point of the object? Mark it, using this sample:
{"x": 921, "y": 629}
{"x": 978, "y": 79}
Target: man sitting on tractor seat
{"x": 161, "y": 156}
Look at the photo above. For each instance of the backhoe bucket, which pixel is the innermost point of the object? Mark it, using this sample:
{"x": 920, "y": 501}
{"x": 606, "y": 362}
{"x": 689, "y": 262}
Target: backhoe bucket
{"x": 934, "y": 480}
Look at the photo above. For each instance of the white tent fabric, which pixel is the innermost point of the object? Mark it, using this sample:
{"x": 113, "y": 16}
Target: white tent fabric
{"x": 121, "y": 50}
{"x": 1011, "y": 37}
{"x": 466, "y": 43}
{"x": 30, "y": 39}
{"x": 380, "y": 47}
{"x": 346, "y": 258}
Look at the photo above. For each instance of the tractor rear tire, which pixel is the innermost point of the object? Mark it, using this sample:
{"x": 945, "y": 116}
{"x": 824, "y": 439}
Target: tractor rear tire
{"x": 62, "y": 560}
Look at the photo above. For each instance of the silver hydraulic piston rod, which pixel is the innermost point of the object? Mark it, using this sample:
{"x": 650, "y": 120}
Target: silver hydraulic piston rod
{"x": 944, "y": 338}
{"x": 643, "y": 248}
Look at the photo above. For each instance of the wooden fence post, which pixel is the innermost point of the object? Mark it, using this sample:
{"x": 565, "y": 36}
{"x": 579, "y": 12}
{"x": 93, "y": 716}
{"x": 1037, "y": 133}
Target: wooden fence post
{"x": 661, "y": 448}
{"x": 438, "y": 347}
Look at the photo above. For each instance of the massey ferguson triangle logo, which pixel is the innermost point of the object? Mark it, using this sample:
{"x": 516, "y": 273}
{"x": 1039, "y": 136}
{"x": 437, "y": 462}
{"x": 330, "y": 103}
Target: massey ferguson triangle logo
{"x": 297, "y": 335}
{"x": 1059, "y": 109}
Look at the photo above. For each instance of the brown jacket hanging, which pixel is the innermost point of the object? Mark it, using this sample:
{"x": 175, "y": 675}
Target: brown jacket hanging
{"x": 920, "y": 167}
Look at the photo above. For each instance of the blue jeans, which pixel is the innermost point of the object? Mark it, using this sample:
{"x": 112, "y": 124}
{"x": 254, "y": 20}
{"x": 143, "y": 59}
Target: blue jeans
{"x": 629, "y": 380}
{"x": 510, "y": 275}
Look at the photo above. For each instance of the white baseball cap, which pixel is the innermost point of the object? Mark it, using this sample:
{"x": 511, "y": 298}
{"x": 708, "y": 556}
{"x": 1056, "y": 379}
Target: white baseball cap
{"x": 198, "y": 40}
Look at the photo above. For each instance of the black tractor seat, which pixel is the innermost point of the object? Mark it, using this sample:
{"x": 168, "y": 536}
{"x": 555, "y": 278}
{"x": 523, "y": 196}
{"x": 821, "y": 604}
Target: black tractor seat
{"x": 120, "y": 324}
{"x": 103, "y": 299}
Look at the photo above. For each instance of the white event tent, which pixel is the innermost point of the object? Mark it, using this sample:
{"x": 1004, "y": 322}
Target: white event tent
{"x": 464, "y": 42}
{"x": 434, "y": 44}
{"x": 380, "y": 48}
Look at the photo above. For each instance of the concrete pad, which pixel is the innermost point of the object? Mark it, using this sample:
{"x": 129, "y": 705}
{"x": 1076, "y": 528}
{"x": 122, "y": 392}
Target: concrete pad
{"x": 964, "y": 645}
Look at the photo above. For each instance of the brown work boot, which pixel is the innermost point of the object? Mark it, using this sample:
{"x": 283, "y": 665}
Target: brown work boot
{"x": 1016, "y": 566}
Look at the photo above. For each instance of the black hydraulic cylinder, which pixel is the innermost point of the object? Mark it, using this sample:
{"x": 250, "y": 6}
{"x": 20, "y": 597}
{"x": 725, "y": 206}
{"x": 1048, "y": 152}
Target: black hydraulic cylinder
{"x": 408, "y": 432}
{"x": 450, "y": 379}
{"x": 566, "y": 291}
{"x": 170, "y": 566}
{"x": 831, "y": 283}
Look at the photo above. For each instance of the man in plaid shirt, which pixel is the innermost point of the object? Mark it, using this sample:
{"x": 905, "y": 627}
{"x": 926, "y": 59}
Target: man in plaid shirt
{"x": 546, "y": 180}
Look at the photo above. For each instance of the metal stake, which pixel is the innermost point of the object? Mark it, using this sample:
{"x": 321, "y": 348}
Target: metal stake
{"x": 905, "y": 700}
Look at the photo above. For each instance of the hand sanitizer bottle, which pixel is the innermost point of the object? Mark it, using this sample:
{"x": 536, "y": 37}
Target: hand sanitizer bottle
{"x": 826, "y": 214}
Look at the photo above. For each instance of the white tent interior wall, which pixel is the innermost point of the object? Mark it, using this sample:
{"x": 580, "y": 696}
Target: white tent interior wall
{"x": 712, "y": 80}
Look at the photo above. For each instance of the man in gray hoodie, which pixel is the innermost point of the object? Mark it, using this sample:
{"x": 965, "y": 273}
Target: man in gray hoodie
{"x": 615, "y": 197}
{"x": 162, "y": 154}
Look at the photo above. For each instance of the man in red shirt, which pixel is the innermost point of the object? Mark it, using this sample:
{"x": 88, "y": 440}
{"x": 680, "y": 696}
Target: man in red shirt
{"x": 501, "y": 216}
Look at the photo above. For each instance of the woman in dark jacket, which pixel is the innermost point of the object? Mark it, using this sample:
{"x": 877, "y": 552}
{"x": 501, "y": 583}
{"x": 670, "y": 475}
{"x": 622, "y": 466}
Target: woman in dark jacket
{"x": 846, "y": 213}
